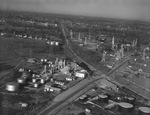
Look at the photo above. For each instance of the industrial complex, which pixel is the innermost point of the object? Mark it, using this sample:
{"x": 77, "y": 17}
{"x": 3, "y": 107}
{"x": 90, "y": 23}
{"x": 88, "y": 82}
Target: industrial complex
{"x": 61, "y": 65}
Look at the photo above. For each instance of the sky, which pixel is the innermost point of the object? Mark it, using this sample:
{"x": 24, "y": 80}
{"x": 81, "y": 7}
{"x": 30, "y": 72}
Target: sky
{"x": 126, "y": 9}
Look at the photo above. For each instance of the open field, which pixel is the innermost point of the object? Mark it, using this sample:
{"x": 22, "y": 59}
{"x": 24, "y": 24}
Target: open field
{"x": 15, "y": 49}
{"x": 12, "y": 48}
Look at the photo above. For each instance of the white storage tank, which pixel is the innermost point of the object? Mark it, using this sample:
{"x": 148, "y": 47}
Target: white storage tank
{"x": 33, "y": 80}
{"x": 144, "y": 111}
{"x": 36, "y": 85}
{"x": 130, "y": 100}
{"x": 124, "y": 107}
{"x": 21, "y": 70}
{"x": 33, "y": 75}
{"x": 52, "y": 42}
{"x": 56, "y": 43}
{"x": 42, "y": 81}
{"x": 12, "y": 86}
{"x": 103, "y": 98}
{"x": 21, "y": 80}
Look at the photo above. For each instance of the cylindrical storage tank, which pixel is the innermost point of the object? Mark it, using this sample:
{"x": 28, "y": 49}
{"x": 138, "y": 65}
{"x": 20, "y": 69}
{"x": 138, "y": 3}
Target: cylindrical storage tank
{"x": 33, "y": 80}
{"x": 108, "y": 95}
{"x": 33, "y": 75}
{"x": 30, "y": 72}
{"x": 130, "y": 100}
{"x": 21, "y": 80}
{"x": 56, "y": 43}
{"x": 52, "y": 42}
{"x": 103, "y": 98}
{"x": 42, "y": 81}
{"x": 12, "y": 86}
{"x": 144, "y": 111}
{"x": 24, "y": 74}
{"x": 124, "y": 107}
{"x": 47, "y": 89}
{"x": 36, "y": 85}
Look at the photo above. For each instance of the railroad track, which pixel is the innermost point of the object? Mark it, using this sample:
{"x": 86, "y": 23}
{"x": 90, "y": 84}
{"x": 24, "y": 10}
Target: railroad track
{"x": 70, "y": 53}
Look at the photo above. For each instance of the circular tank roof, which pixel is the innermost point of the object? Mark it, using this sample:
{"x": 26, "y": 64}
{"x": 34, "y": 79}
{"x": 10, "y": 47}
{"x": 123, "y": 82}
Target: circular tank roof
{"x": 103, "y": 96}
{"x": 144, "y": 109}
{"x": 125, "y": 105}
{"x": 131, "y": 98}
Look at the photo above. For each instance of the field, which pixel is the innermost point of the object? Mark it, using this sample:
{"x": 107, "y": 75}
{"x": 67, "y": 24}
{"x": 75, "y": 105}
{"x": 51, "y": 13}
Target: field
{"x": 15, "y": 49}
{"x": 71, "y": 109}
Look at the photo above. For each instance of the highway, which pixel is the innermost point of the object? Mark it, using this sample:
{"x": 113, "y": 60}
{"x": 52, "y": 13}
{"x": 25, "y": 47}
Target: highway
{"x": 84, "y": 84}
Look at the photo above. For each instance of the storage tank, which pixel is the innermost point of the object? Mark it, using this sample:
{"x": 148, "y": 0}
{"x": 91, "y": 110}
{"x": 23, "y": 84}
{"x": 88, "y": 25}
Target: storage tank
{"x": 12, "y": 86}
{"x": 33, "y": 80}
{"x": 25, "y": 74}
{"x": 124, "y": 107}
{"x": 144, "y": 111}
{"x": 130, "y": 100}
{"x": 42, "y": 81}
{"x": 33, "y": 75}
{"x": 21, "y": 80}
{"x": 103, "y": 98}
{"x": 36, "y": 85}
{"x": 56, "y": 43}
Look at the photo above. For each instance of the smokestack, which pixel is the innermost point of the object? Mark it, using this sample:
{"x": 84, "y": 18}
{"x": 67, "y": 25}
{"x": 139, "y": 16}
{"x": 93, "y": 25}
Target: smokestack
{"x": 113, "y": 42}
{"x": 85, "y": 42}
{"x": 79, "y": 37}
{"x": 71, "y": 34}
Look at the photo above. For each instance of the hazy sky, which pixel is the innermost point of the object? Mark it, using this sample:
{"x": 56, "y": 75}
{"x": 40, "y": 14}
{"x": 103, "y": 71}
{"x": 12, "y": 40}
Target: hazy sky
{"x": 130, "y": 9}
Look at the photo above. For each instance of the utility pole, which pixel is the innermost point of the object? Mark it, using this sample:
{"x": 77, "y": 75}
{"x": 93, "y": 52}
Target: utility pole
{"x": 20, "y": 49}
{"x": 71, "y": 34}
{"x": 79, "y": 37}
{"x": 113, "y": 42}
{"x": 30, "y": 53}
{"x": 85, "y": 41}
{"x": 89, "y": 36}
{"x": 122, "y": 51}
{"x": 103, "y": 56}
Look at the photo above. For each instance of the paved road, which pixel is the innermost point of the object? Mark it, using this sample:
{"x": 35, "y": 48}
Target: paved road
{"x": 65, "y": 96}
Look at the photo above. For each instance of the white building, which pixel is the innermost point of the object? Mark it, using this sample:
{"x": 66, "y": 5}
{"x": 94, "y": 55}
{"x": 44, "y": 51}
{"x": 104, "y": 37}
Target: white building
{"x": 81, "y": 74}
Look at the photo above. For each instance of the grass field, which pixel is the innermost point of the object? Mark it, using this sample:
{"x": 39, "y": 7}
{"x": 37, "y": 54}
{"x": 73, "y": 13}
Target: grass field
{"x": 13, "y": 50}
